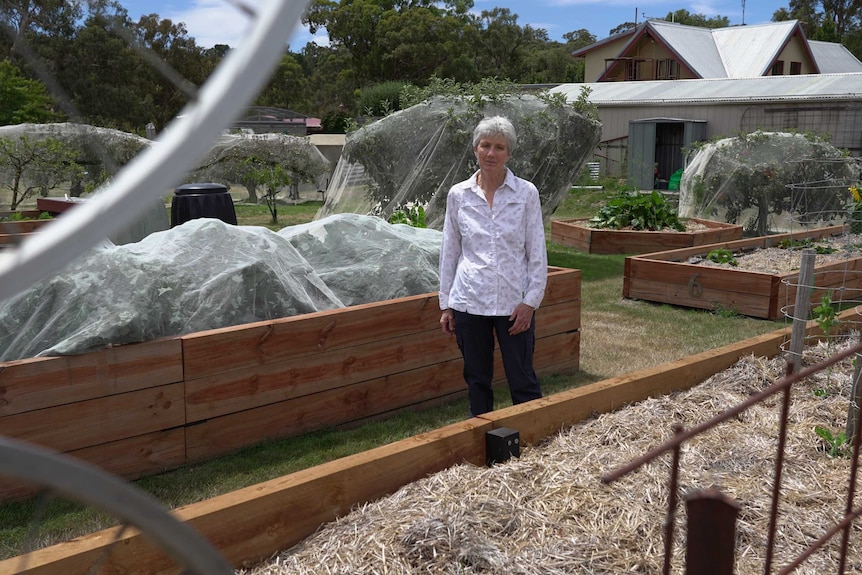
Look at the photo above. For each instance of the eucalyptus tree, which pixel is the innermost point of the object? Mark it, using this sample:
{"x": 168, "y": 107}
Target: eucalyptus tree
{"x": 27, "y": 23}
{"x": 686, "y": 18}
{"x": 826, "y": 20}
{"x": 413, "y": 45}
{"x": 170, "y": 42}
{"x": 289, "y": 88}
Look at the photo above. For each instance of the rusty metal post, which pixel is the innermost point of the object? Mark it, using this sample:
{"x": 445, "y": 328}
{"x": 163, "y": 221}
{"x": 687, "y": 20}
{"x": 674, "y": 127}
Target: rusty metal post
{"x": 855, "y": 398}
{"x": 711, "y": 545}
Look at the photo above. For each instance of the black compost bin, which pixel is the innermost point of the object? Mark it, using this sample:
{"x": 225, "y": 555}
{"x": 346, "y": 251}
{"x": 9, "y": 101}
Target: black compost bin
{"x": 193, "y": 201}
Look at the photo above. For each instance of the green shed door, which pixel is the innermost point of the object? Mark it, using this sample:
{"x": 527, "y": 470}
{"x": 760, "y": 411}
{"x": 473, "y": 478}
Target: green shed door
{"x": 641, "y": 155}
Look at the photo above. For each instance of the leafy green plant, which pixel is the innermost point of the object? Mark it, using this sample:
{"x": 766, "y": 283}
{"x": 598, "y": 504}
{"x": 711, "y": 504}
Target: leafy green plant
{"x": 381, "y": 99}
{"x": 836, "y": 444}
{"x": 726, "y": 312}
{"x": 826, "y": 314}
{"x": 20, "y": 217}
{"x": 794, "y": 244}
{"x": 410, "y": 215}
{"x": 722, "y": 256}
{"x": 638, "y": 211}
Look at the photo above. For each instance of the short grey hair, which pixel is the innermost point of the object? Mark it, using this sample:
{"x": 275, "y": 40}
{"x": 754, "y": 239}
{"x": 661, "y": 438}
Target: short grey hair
{"x": 495, "y": 126}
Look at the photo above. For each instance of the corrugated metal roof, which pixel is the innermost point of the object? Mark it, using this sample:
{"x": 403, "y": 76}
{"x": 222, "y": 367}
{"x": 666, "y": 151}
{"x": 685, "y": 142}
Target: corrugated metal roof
{"x": 834, "y": 58}
{"x": 720, "y": 90}
{"x": 695, "y": 46}
{"x": 735, "y": 51}
{"x": 750, "y": 50}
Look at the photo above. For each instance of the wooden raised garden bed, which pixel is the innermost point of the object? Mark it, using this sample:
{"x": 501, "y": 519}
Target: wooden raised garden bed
{"x": 14, "y": 231}
{"x": 665, "y": 277}
{"x": 251, "y": 524}
{"x": 143, "y": 408}
{"x": 577, "y": 234}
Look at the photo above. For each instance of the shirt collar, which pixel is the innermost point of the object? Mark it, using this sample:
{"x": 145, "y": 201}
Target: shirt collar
{"x": 508, "y": 181}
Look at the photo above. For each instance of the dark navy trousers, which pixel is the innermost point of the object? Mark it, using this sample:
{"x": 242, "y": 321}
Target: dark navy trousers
{"x": 475, "y": 335}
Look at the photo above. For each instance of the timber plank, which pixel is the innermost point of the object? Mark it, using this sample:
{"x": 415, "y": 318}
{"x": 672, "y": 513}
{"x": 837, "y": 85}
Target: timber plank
{"x": 211, "y": 352}
{"x": 337, "y": 406}
{"x": 704, "y": 276}
{"x": 745, "y": 243}
{"x": 102, "y": 420}
{"x": 239, "y": 390}
{"x": 563, "y": 285}
{"x": 577, "y": 233}
{"x": 130, "y": 458}
{"x": 282, "y": 512}
{"x": 750, "y": 304}
{"x": 558, "y": 318}
{"x": 329, "y": 408}
{"x": 39, "y": 383}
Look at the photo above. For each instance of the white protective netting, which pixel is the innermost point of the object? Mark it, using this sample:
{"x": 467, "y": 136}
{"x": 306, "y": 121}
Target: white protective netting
{"x": 239, "y": 158}
{"x": 769, "y": 182}
{"x": 412, "y": 157}
{"x": 207, "y": 274}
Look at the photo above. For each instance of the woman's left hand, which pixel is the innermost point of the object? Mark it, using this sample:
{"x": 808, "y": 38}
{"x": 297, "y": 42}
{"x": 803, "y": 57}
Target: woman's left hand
{"x": 522, "y": 318}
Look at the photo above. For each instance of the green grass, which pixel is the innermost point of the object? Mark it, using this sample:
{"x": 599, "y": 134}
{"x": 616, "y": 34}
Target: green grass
{"x": 618, "y": 336}
{"x": 593, "y": 267}
{"x": 288, "y": 215}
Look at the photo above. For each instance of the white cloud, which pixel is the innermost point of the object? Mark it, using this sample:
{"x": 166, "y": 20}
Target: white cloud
{"x": 212, "y": 22}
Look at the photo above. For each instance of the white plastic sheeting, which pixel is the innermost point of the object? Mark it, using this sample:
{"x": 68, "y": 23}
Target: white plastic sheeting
{"x": 207, "y": 274}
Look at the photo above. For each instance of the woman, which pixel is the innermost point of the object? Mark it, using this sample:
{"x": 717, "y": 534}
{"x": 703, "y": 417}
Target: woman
{"x": 493, "y": 269}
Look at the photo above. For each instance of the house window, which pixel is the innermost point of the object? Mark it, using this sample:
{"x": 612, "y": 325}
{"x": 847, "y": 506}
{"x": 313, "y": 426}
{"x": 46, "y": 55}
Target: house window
{"x": 796, "y": 68}
{"x": 632, "y": 70}
{"x": 778, "y": 68}
{"x": 667, "y": 69}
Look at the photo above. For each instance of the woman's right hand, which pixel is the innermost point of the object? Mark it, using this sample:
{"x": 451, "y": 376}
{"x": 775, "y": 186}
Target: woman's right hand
{"x": 447, "y": 322}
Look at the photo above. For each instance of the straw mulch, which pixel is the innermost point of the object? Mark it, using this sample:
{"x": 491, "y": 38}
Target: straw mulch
{"x": 782, "y": 261}
{"x": 549, "y": 513}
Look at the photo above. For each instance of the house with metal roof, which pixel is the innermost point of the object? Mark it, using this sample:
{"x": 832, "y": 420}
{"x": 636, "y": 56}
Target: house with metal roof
{"x": 660, "y": 50}
{"x": 648, "y": 124}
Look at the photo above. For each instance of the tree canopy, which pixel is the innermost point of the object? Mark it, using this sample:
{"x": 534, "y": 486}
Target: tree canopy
{"x": 90, "y": 47}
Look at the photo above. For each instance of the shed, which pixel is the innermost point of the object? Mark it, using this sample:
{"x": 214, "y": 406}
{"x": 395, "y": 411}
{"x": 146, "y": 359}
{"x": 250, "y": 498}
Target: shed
{"x": 826, "y": 104}
{"x": 655, "y": 149}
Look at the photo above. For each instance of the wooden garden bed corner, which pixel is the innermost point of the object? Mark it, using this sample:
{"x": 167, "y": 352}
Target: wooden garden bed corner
{"x": 251, "y": 524}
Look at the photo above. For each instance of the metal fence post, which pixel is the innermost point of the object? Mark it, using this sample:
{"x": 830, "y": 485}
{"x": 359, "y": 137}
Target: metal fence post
{"x": 710, "y": 549}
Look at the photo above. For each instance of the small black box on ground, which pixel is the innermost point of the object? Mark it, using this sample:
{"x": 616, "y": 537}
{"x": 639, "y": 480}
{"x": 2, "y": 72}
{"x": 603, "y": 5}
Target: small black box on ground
{"x": 501, "y": 444}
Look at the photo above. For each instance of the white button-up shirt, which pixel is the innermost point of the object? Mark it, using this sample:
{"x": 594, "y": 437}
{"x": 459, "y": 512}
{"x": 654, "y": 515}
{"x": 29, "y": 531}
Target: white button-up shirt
{"x": 493, "y": 259}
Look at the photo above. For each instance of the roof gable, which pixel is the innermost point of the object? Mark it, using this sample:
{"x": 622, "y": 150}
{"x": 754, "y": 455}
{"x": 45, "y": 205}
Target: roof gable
{"x": 732, "y": 52}
{"x": 693, "y": 45}
{"x": 749, "y": 51}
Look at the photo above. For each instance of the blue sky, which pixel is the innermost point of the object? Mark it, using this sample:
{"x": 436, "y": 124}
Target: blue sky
{"x": 218, "y": 22}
